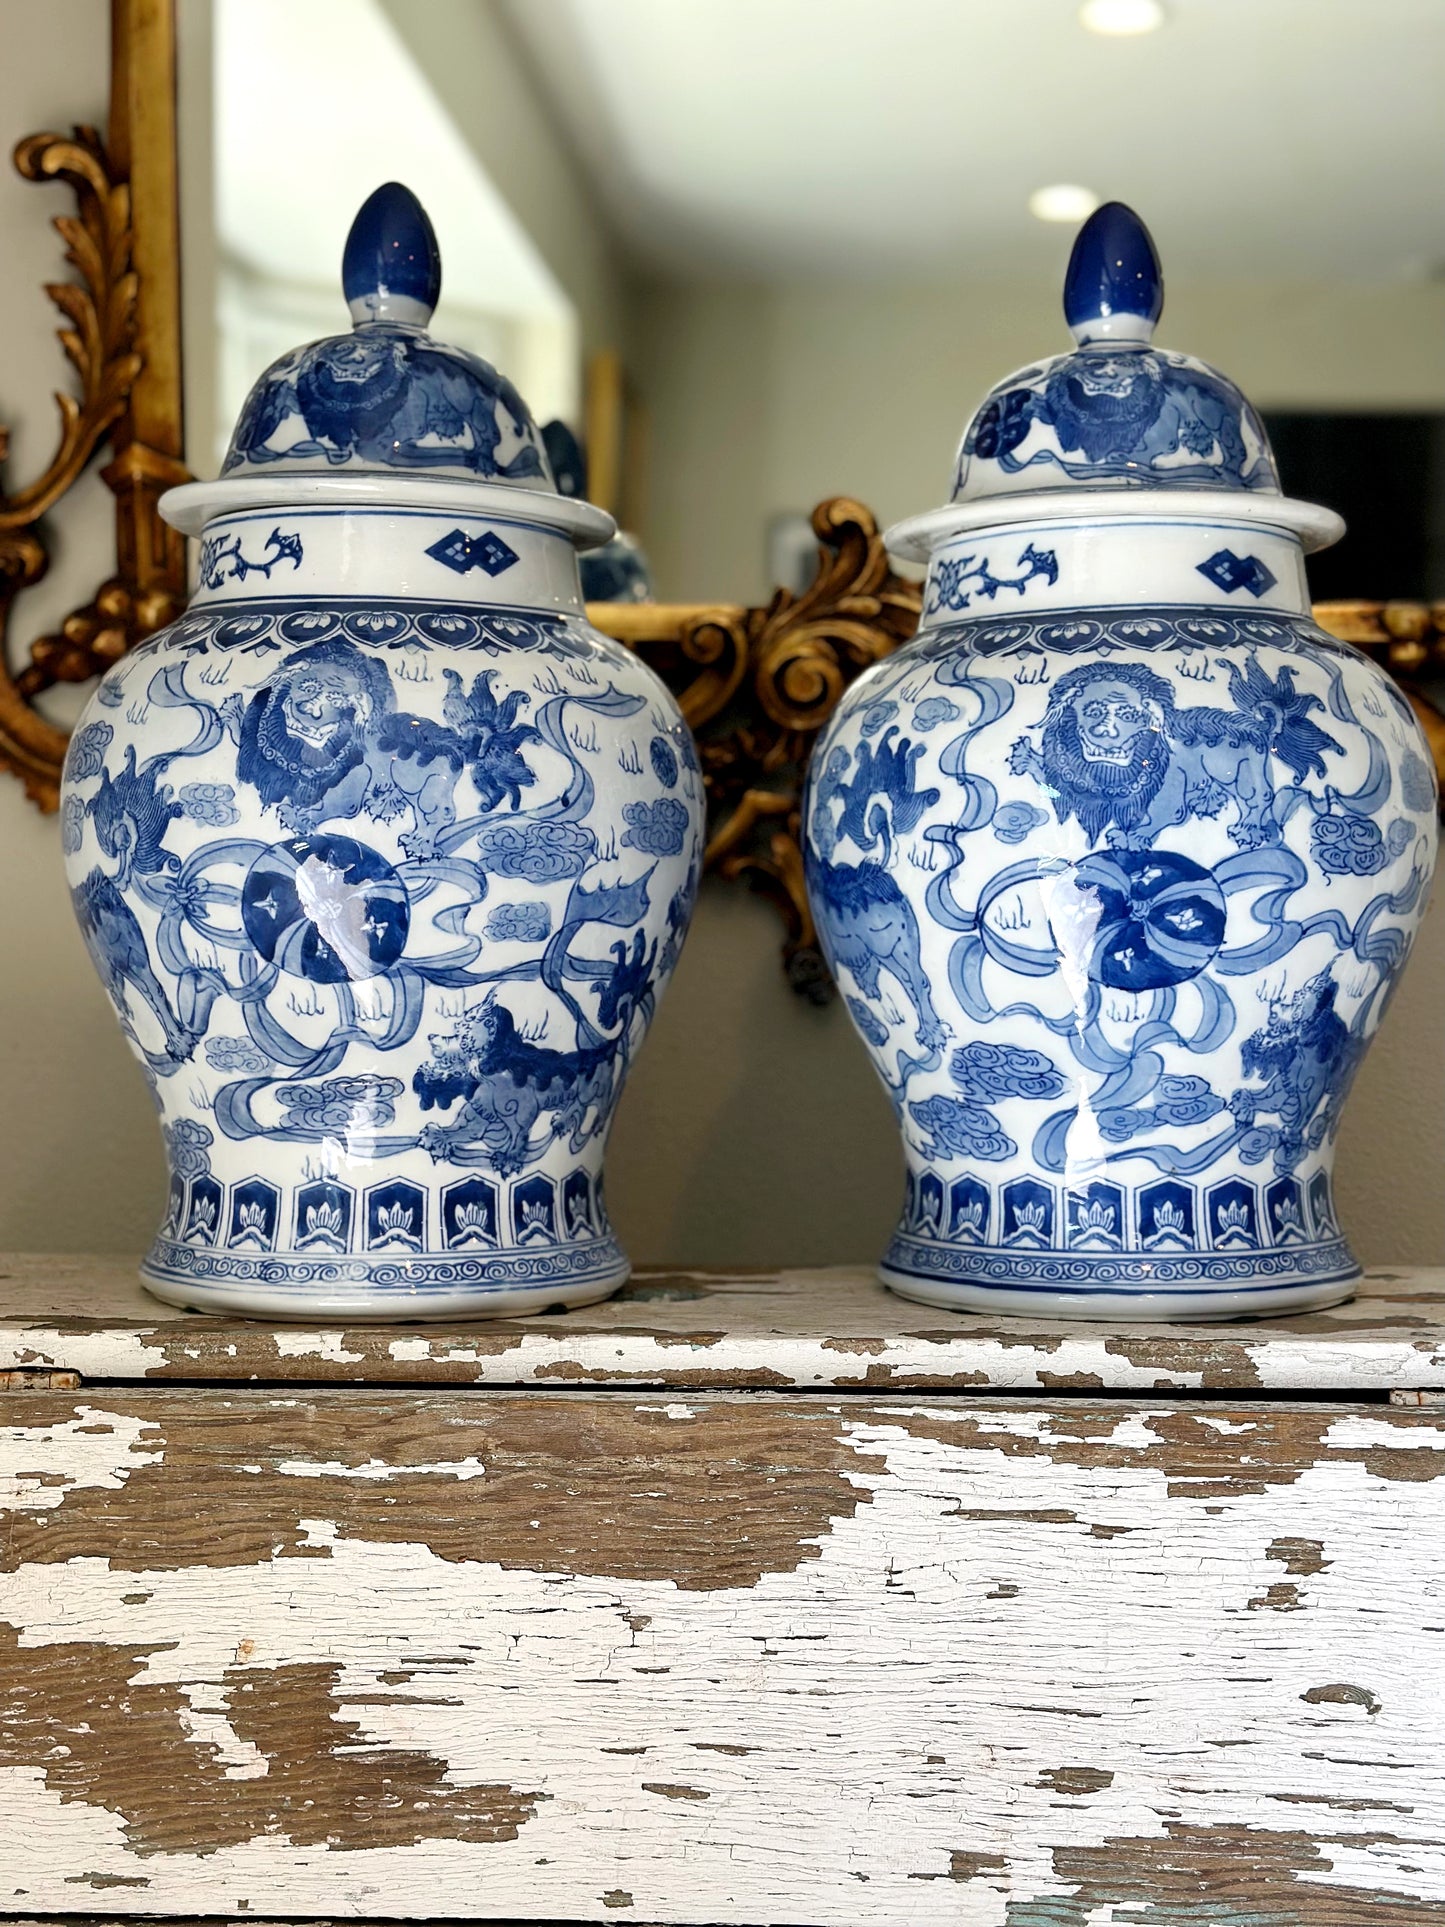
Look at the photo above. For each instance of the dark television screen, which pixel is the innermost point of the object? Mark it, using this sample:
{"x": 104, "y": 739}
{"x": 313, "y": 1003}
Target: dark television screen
{"x": 1386, "y": 476}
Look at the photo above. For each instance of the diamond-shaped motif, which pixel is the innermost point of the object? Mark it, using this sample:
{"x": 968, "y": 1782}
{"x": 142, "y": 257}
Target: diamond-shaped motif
{"x": 1230, "y": 572}
{"x": 461, "y": 552}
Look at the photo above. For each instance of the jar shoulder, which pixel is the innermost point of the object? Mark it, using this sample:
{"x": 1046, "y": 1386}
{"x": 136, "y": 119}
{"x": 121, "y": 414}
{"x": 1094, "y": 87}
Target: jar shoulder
{"x": 404, "y": 656}
{"x": 1187, "y": 650}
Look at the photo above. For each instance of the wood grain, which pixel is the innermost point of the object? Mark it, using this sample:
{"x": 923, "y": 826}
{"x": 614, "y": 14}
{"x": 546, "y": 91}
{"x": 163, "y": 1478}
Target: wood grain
{"x": 722, "y": 1659}
{"x": 699, "y": 1331}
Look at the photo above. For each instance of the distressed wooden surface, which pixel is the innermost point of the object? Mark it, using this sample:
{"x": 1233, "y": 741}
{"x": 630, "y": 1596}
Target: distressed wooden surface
{"x": 712, "y": 1331}
{"x": 757, "y": 1658}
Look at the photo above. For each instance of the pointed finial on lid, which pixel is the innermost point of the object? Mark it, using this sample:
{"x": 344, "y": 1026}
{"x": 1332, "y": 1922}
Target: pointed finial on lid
{"x": 1114, "y": 290}
{"x": 392, "y": 268}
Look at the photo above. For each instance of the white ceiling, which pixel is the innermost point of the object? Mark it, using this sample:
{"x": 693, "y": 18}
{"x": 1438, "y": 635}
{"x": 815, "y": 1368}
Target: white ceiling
{"x": 1299, "y": 139}
{"x": 318, "y": 103}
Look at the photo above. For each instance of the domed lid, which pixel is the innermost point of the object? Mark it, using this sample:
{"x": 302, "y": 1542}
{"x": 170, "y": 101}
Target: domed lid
{"x": 387, "y": 396}
{"x": 1102, "y": 432}
{"x": 1117, "y": 412}
{"x": 360, "y": 416}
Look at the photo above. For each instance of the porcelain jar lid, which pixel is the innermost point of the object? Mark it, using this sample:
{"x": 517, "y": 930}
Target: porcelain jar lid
{"x": 386, "y": 413}
{"x": 1116, "y": 416}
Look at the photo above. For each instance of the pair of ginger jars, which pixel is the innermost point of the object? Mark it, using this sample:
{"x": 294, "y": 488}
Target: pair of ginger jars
{"x": 385, "y": 856}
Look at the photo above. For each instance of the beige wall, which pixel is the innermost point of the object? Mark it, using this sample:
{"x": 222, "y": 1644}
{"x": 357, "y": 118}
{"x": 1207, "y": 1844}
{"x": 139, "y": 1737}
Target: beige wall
{"x": 766, "y": 400}
{"x": 753, "y": 1130}
{"x": 79, "y": 1151}
{"x": 468, "y": 53}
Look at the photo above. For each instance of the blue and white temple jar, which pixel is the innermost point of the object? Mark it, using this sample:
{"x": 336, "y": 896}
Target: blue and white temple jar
{"x": 383, "y": 854}
{"x": 1118, "y": 861}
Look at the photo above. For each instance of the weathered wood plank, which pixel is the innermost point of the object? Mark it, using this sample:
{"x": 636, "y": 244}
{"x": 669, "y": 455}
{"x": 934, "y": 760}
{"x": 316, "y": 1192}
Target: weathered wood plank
{"x": 696, "y": 1331}
{"x": 722, "y": 1659}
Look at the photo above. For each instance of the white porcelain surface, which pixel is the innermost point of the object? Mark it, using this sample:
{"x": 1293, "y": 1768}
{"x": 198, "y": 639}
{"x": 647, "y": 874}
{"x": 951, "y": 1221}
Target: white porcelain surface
{"x": 1118, "y": 861}
{"x": 384, "y": 855}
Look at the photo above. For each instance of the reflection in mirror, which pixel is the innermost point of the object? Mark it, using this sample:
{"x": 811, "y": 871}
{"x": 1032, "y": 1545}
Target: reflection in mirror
{"x": 807, "y": 234}
{"x": 848, "y": 218}
{"x": 292, "y": 166}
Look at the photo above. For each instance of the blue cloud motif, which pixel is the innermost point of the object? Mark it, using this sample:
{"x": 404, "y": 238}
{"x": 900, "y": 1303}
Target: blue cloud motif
{"x": 210, "y": 803}
{"x": 72, "y": 825}
{"x": 986, "y": 1072}
{"x": 188, "y": 1144}
{"x": 341, "y": 1104}
{"x": 934, "y": 710}
{"x": 539, "y": 852}
{"x": 869, "y": 1022}
{"x": 959, "y": 1130}
{"x": 86, "y": 755}
{"x": 656, "y": 828}
{"x": 876, "y": 715}
{"x": 236, "y": 1054}
{"x": 1178, "y": 1102}
{"x": 519, "y": 923}
{"x": 1348, "y": 845}
{"x": 1013, "y": 821}
{"x": 1417, "y": 784}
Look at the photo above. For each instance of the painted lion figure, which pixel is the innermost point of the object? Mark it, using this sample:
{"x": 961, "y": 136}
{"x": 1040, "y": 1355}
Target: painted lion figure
{"x": 1121, "y": 757}
{"x": 381, "y": 394}
{"x": 504, "y": 1084}
{"x": 1305, "y": 1055}
{"x": 321, "y": 740}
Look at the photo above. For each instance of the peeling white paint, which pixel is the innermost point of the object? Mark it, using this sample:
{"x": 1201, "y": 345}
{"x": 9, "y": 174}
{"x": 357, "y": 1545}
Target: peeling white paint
{"x": 304, "y": 1343}
{"x": 92, "y": 1448}
{"x": 415, "y": 1348}
{"x": 1358, "y": 1431}
{"x": 205, "y": 1721}
{"x": 377, "y": 1469}
{"x": 811, "y": 1329}
{"x": 110, "y": 1351}
{"x": 990, "y": 1617}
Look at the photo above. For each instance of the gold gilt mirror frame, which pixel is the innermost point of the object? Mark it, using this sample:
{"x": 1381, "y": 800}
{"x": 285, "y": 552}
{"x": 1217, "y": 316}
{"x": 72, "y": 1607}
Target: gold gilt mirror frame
{"x": 756, "y": 684}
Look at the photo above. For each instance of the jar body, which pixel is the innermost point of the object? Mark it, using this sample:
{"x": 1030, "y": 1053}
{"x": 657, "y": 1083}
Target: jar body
{"x": 1117, "y": 896}
{"x": 384, "y": 875}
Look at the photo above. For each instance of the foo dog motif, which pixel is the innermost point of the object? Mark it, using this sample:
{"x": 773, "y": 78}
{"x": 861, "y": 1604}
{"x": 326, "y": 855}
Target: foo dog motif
{"x": 384, "y": 396}
{"x": 1117, "y": 881}
{"x": 384, "y": 889}
{"x": 1105, "y": 412}
{"x": 1117, "y": 753}
{"x": 369, "y": 940}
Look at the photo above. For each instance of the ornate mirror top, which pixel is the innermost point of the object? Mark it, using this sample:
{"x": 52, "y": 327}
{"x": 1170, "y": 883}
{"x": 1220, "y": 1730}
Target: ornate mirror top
{"x": 387, "y": 397}
{"x": 1117, "y": 412}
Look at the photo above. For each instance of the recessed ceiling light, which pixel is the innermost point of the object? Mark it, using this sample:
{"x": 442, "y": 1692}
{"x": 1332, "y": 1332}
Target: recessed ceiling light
{"x": 1121, "y": 16}
{"x": 1063, "y": 202}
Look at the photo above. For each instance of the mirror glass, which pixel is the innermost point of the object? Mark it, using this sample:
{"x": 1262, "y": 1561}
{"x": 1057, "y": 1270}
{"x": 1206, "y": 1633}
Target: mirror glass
{"x": 290, "y": 173}
{"x": 786, "y": 244}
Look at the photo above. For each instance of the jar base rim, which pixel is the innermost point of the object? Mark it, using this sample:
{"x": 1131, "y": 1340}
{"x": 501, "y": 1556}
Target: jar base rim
{"x": 1208, "y": 1307}
{"x": 389, "y": 1304}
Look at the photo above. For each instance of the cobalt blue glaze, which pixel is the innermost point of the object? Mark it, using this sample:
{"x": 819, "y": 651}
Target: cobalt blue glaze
{"x": 1113, "y": 270}
{"x": 1118, "y": 862}
{"x": 1116, "y": 412}
{"x": 387, "y": 397}
{"x": 392, "y": 250}
{"x": 382, "y": 854}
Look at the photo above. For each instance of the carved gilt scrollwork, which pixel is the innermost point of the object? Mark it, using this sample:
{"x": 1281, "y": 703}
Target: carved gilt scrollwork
{"x": 121, "y": 337}
{"x": 771, "y": 678}
{"x": 756, "y": 684}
